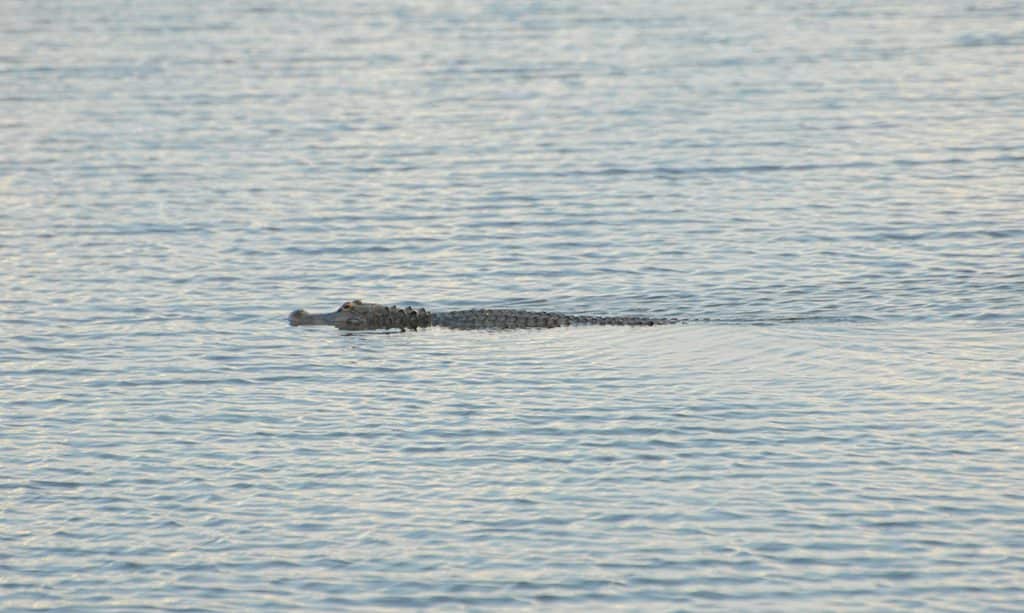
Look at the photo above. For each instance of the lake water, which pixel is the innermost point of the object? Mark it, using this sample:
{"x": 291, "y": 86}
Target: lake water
{"x": 831, "y": 194}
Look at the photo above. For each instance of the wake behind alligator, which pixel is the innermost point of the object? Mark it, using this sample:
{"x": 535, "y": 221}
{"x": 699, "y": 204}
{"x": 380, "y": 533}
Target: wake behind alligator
{"x": 359, "y": 315}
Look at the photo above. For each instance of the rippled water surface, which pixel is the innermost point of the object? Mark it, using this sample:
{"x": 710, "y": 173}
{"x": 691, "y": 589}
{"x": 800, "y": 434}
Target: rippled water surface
{"x": 831, "y": 194}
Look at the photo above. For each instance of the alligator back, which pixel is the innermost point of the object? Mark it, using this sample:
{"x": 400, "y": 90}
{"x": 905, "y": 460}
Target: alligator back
{"x": 506, "y": 318}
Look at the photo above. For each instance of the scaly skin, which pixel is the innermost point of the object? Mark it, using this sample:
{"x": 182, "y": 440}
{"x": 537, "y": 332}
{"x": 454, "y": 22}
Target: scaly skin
{"x": 359, "y": 315}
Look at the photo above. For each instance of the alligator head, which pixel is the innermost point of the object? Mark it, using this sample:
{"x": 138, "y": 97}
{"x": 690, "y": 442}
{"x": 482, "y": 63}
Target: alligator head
{"x": 353, "y": 315}
{"x": 359, "y": 315}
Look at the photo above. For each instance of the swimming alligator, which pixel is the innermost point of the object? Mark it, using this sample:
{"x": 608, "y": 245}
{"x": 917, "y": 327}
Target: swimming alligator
{"x": 359, "y": 315}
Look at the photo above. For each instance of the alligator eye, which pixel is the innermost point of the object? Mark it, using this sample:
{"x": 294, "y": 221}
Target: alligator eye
{"x": 345, "y": 307}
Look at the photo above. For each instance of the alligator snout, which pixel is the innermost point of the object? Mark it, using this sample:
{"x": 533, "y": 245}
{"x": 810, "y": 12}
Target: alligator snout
{"x": 297, "y": 317}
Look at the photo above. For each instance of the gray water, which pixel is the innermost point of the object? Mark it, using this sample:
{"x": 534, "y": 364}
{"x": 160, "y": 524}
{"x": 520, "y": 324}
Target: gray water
{"x": 830, "y": 193}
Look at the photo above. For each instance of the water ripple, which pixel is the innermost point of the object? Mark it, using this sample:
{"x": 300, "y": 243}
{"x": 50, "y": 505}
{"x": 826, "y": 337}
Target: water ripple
{"x": 828, "y": 196}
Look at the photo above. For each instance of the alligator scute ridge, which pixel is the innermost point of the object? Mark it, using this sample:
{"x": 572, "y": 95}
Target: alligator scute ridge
{"x": 359, "y": 315}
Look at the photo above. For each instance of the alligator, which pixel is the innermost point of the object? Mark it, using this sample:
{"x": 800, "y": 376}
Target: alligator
{"x": 359, "y": 315}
